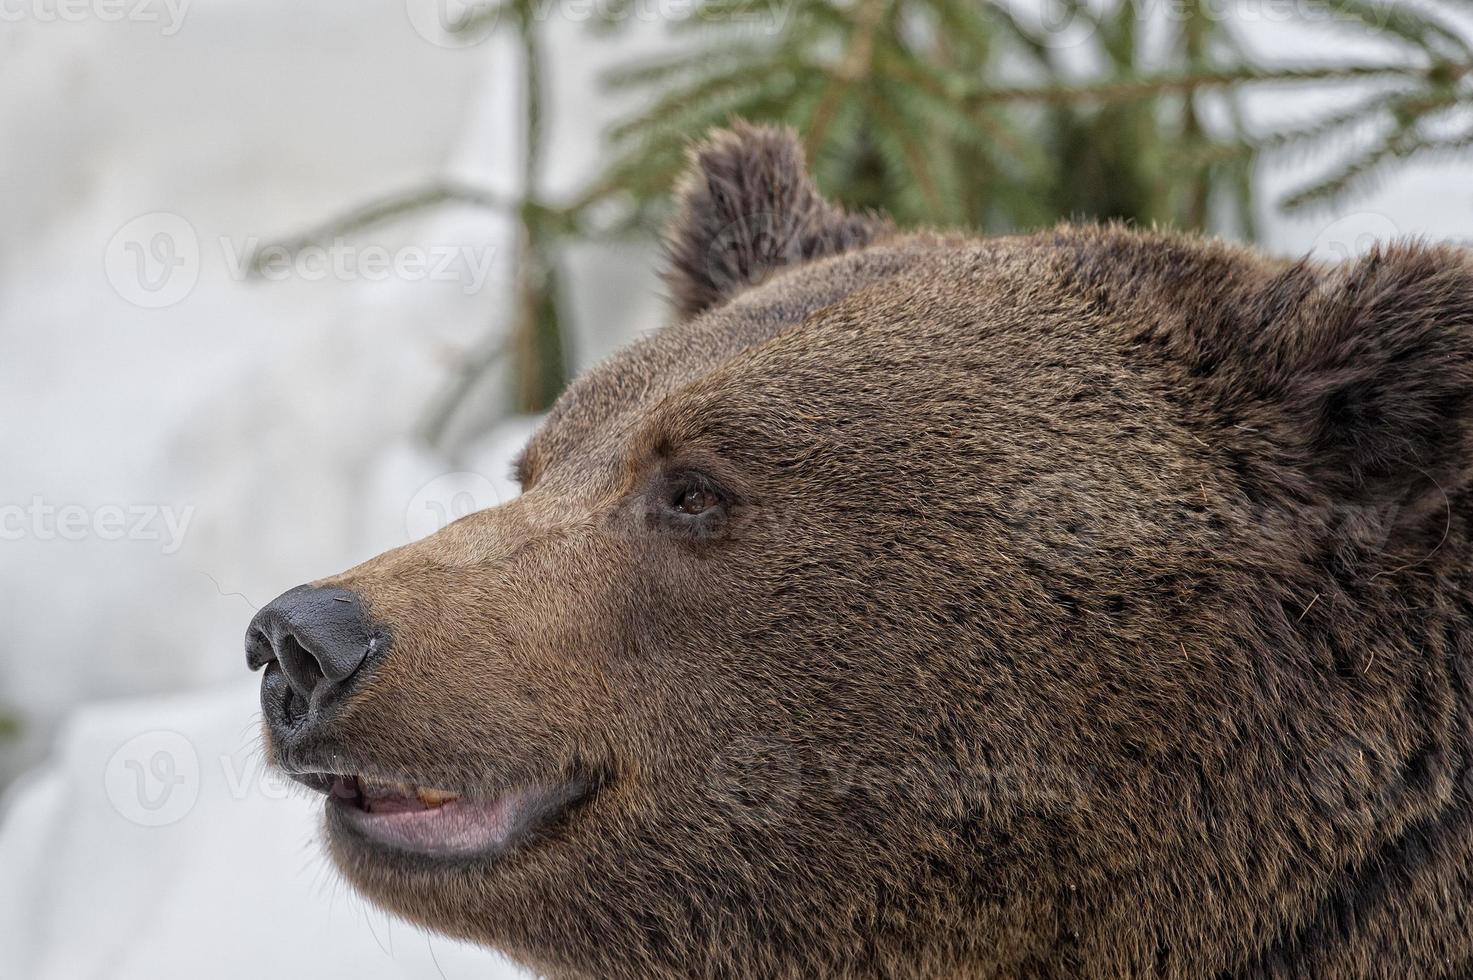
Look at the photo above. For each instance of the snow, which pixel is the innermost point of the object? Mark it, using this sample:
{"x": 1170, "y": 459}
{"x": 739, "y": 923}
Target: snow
{"x": 158, "y": 845}
{"x": 273, "y": 424}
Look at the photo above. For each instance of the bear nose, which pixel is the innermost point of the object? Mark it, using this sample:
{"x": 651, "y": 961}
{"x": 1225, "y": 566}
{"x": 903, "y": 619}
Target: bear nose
{"x": 318, "y": 637}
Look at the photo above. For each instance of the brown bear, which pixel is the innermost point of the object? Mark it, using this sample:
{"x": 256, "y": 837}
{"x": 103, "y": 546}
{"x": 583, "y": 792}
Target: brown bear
{"x": 1091, "y": 603}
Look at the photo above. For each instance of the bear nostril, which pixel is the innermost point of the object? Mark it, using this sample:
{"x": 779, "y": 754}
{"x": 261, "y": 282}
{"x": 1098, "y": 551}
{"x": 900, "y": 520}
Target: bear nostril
{"x": 300, "y": 667}
{"x": 293, "y": 705}
{"x": 316, "y": 638}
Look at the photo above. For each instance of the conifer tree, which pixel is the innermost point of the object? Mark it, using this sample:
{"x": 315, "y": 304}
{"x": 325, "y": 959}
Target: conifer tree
{"x": 969, "y": 113}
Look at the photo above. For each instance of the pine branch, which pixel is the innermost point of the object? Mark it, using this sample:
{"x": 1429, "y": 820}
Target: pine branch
{"x": 1353, "y": 173}
{"x": 1420, "y": 29}
{"x": 949, "y": 111}
{"x": 1400, "y": 147}
{"x": 1000, "y": 17}
{"x": 942, "y": 89}
{"x": 852, "y": 70}
{"x": 378, "y": 212}
{"x": 1193, "y": 43}
{"x": 917, "y": 165}
{"x": 664, "y": 118}
{"x": 1401, "y": 105}
{"x": 1153, "y": 86}
{"x": 705, "y": 60}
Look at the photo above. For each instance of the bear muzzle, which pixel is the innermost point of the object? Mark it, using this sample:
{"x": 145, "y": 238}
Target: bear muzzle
{"x": 316, "y": 647}
{"x": 312, "y": 643}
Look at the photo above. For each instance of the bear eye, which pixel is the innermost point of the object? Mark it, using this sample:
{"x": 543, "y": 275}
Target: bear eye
{"x": 696, "y": 500}
{"x": 691, "y": 503}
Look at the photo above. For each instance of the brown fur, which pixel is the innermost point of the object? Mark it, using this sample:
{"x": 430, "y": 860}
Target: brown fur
{"x": 1092, "y": 603}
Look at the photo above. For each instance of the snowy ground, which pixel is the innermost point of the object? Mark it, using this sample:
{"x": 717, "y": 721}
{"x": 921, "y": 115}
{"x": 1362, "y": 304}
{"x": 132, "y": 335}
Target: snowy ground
{"x": 176, "y": 465}
{"x": 189, "y": 451}
{"x": 157, "y": 846}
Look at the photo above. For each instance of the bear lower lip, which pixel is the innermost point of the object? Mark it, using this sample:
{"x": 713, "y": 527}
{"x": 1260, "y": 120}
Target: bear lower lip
{"x": 438, "y": 823}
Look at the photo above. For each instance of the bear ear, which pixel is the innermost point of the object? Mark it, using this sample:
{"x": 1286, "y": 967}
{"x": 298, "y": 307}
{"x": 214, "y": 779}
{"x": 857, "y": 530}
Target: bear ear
{"x": 747, "y": 208}
{"x": 1363, "y": 377}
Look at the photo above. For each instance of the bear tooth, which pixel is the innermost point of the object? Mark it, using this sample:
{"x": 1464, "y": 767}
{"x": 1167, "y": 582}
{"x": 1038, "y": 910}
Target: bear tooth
{"x": 434, "y": 797}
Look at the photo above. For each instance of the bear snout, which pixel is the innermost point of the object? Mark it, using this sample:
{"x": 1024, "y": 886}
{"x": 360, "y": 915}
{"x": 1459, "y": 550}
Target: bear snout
{"x": 312, "y": 643}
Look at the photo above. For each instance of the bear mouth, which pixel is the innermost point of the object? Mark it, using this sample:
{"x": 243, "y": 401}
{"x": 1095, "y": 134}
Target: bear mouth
{"x": 426, "y": 821}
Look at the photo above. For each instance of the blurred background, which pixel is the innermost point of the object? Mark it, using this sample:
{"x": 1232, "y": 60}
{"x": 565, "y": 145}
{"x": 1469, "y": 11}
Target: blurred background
{"x": 286, "y": 284}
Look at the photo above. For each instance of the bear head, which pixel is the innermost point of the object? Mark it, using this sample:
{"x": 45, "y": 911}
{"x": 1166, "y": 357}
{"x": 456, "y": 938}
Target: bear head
{"x": 1090, "y": 603}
